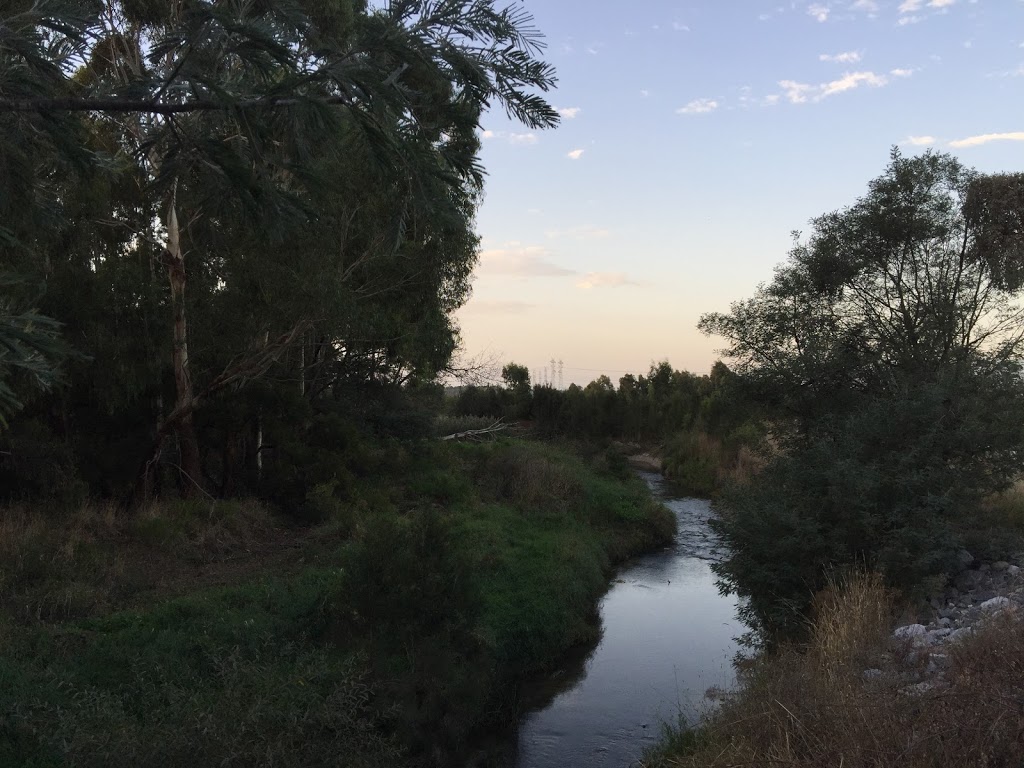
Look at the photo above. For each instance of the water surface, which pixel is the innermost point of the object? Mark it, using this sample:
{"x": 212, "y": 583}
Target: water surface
{"x": 668, "y": 636}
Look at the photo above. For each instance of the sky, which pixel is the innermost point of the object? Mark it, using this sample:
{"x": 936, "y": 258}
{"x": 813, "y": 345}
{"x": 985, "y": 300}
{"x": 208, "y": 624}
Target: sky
{"x": 696, "y": 137}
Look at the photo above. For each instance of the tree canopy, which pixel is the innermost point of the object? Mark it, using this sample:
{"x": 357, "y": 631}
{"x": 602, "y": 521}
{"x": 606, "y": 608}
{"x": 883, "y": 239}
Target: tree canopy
{"x": 888, "y": 350}
{"x": 233, "y": 201}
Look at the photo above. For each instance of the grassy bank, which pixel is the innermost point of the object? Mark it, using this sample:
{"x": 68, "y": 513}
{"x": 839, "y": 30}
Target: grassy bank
{"x": 392, "y": 632}
{"x": 810, "y": 706}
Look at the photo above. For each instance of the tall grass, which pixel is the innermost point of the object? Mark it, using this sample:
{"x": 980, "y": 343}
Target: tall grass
{"x": 703, "y": 463}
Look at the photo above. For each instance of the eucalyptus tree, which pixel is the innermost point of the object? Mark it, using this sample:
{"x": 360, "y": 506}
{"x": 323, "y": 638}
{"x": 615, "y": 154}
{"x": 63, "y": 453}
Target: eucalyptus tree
{"x": 333, "y": 136}
{"x": 889, "y": 347}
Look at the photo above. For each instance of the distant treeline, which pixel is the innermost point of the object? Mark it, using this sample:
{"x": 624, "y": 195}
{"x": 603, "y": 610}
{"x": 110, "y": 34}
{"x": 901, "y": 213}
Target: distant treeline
{"x": 703, "y": 423}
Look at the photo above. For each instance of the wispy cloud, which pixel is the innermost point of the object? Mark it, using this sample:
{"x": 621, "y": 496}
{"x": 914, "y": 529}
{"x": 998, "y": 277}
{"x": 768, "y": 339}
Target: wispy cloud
{"x": 580, "y": 233}
{"x": 568, "y": 112}
{"x": 576, "y": 154}
{"x": 919, "y": 141}
{"x": 800, "y": 93}
{"x": 698, "y": 107}
{"x": 605, "y": 280}
{"x": 846, "y": 57}
{"x": 869, "y": 6}
{"x": 512, "y": 138}
{"x": 818, "y": 12}
{"x": 901, "y": 72}
{"x": 523, "y": 138}
{"x": 485, "y": 307}
{"x": 521, "y": 261}
{"x": 909, "y": 9}
{"x": 678, "y": 27}
{"x": 985, "y": 138}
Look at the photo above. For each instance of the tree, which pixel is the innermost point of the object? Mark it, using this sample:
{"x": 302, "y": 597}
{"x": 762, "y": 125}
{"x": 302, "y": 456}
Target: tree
{"x": 516, "y": 377}
{"x": 303, "y": 176}
{"x": 889, "y": 349}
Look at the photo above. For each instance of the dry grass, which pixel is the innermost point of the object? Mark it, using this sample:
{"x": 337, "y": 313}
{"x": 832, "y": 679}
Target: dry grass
{"x": 811, "y": 707}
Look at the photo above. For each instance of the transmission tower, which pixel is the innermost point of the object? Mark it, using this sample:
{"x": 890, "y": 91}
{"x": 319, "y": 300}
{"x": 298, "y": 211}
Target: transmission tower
{"x": 561, "y": 381}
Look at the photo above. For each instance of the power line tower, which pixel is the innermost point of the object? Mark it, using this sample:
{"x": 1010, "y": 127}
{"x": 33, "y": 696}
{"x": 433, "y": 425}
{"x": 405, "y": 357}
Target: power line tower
{"x": 561, "y": 370}
{"x": 553, "y": 374}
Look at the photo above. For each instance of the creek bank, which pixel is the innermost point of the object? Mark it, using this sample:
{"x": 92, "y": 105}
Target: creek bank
{"x": 919, "y": 653}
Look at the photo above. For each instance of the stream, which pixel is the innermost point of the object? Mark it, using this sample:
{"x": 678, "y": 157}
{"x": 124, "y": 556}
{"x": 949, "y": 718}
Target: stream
{"x": 668, "y": 636}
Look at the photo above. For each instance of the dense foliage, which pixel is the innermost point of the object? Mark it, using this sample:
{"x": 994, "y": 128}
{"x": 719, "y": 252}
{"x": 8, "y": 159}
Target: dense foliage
{"x": 887, "y": 351}
{"x": 241, "y": 214}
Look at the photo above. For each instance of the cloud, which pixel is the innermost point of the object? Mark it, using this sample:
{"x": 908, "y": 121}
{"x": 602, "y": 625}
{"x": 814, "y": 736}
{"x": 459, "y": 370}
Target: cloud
{"x": 985, "y": 138}
{"x": 576, "y": 154}
{"x": 799, "y": 93}
{"x": 901, "y": 72}
{"x": 605, "y": 280}
{"x": 644, "y": 92}
{"x": 487, "y": 135}
{"x": 910, "y": 6}
{"x": 485, "y": 307}
{"x": 568, "y": 112}
{"x": 941, "y": 3}
{"x": 908, "y": 20}
{"x": 520, "y": 261}
{"x": 523, "y": 138}
{"x": 818, "y": 12}
{"x": 846, "y": 57}
{"x": 865, "y": 5}
{"x": 581, "y": 233}
{"x": 698, "y": 107}
{"x": 919, "y": 141}
{"x": 680, "y": 27}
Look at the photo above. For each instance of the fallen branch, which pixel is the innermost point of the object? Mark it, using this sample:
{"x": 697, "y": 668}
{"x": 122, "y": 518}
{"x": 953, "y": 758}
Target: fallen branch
{"x": 474, "y": 434}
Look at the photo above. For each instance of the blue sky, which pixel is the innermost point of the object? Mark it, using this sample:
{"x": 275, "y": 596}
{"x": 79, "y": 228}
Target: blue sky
{"x": 696, "y": 137}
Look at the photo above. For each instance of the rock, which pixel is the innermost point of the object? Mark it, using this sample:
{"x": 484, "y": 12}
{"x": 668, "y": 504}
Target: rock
{"x": 946, "y": 614}
{"x": 964, "y": 559}
{"x": 960, "y": 634}
{"x": 945, "y": 621}
{"x": 910, "y": 631}
{"x": 984, "y": 567}
{"x": 1000, "y": 565}
{"x": 996, "y": 604}
{"x": 871, "y": 674}
{"x": 1013, "y": 570}
{"x": 968, "y": 580}
{"x": 938, "y": 635}
{"x": 917, "y": 689}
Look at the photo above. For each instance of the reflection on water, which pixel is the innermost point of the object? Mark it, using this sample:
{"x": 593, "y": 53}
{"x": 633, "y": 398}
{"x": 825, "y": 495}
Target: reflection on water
{"x": 667, "y": 637}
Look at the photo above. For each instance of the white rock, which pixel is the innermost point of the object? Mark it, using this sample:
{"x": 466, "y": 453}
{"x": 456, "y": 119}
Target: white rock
{"x": 960, "y": 634}
{"x": 996, "y": 604}
{"x": 911, "y": 630}
{"x": 938, "y": 635}
{"x": 1013, "y": 570}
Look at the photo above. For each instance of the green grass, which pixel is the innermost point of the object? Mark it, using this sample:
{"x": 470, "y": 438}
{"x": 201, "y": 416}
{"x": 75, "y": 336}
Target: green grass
{"x": 395, "y": 638}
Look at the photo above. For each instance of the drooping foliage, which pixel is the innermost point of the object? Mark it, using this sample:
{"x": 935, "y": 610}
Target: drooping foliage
{"x": 241, "y": 213}
{"x": 888, "y": 350}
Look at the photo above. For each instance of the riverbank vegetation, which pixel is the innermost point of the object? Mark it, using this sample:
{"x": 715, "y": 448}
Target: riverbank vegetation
{"x": 392, "y": 631}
